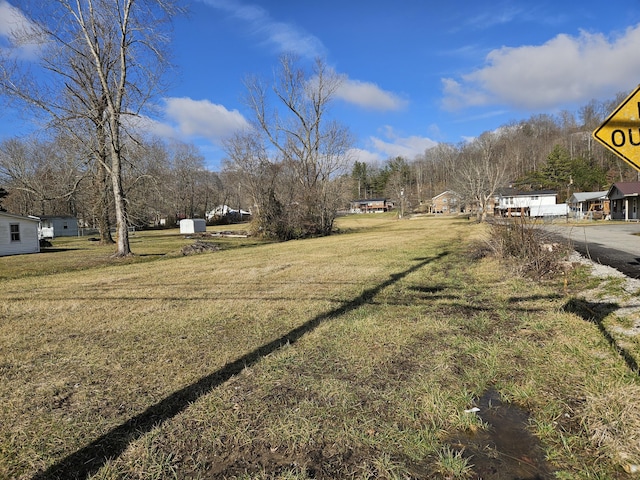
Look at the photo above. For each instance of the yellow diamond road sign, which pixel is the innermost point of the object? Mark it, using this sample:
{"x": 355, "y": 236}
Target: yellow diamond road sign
{"x": 620, "y": 132}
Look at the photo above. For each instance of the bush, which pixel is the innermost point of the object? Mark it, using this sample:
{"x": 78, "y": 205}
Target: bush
{"x": 528, "y": 249}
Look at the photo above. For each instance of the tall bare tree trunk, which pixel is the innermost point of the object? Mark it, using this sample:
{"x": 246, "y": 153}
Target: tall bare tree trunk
{"x": 101, "y": 182}
{"x": 119, "y": 198}
{"x": 102, "y": 204}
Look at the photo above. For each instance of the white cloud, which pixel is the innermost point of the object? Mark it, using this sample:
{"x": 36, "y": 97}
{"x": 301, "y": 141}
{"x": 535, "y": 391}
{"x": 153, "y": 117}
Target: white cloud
{"x": 153, "y": 127}
{"x": 285, "y": 37}
{"x": 369, "y": 95}
{"x": 13, "y": 20}
{"x": 397, "y": 146}
{"x": 186, "y": 119}
{"x": 10, "y": 18}
{"x": 499, "y": 15}
{"x": 565, "y": 70}
{"x": 201, "y": 118}
{"x": 365, "y": 156}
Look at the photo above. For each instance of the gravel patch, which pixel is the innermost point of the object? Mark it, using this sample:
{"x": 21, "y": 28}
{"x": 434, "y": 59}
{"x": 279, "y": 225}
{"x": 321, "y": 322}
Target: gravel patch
{"x": 628, "y": 298}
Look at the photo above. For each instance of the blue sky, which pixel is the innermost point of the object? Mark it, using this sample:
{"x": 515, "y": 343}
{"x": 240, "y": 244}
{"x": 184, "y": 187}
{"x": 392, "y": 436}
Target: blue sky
{"x": 417, "y": 72}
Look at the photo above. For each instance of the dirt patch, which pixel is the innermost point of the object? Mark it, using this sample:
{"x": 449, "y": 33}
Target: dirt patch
{"x": 199, "y": 247}
{"x": 325, "y": 462}
{"x": 506, "y": 450}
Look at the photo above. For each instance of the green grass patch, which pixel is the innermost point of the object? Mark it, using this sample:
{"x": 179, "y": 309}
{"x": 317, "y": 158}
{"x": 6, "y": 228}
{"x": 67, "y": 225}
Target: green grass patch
{"x": 352, "y": 356}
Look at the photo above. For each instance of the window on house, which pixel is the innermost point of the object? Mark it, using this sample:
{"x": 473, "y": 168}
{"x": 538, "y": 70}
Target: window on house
{"x": 15, "y": 232}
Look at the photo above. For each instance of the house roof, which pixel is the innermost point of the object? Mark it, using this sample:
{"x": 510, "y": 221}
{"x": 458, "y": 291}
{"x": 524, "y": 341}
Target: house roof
{"x": 512, "y": 192}
{"x": 19, "y": 217}
{"x": 586, "y": 196}
{"x": 626, "y": 188}
{"x": 450, "y": 192}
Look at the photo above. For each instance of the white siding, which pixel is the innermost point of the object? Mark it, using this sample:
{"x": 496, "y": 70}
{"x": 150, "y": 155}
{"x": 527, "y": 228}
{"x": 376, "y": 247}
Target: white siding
{"x": 51, "y": 227}
{"x": 28, "y": 243}
{"x": 520, "y": 201}
{"x": 557, "y": 210}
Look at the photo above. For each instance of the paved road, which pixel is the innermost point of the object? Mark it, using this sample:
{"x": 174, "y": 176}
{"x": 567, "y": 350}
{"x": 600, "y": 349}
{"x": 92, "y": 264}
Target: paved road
{"x": 610, "y": 244}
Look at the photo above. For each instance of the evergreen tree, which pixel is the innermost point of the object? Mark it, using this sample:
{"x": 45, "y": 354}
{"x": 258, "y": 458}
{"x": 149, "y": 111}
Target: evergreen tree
{"x": 557, "y": 172}
{"x": 587, "y": 175}
{"x": 360, "y": 175}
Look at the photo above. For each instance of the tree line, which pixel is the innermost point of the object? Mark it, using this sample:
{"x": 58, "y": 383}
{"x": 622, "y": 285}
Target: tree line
{"x": 100, "y": 62}
{"x": 544, "y": 152}
{"x": 163, "y": 182}
{"x": 169, "y": 181}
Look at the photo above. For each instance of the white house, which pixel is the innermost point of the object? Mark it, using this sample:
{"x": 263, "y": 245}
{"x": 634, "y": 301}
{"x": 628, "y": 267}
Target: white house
{"x": 193, "y": 225}
{"x": 18, "y": 234}
{"x": 53, "y": 226}
{"x": 513, "y": 202}
{"x": 224, "y": 210}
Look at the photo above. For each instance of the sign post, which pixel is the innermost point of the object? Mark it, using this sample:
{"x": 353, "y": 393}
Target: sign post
{"x": 620, "y": 132}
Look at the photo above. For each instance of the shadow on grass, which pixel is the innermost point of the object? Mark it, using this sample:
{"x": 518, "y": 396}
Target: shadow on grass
{"x": 56, "y": 249}
{"x": 532, "y": 298}
{"x": 90, "y": 459}
{"x": 595, "y": 312}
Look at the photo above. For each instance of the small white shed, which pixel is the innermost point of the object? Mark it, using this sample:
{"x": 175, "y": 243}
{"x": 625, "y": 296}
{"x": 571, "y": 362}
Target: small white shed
{"x": 18, "y": 234}
{"x": 193, "y": 225}
{"x": 51, "y": 226}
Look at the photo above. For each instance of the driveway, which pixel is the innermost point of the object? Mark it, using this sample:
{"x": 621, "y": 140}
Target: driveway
{"x": 606, "y": 243}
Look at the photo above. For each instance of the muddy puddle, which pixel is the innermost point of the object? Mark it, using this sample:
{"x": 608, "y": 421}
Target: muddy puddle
{"x": 506, "y": 450}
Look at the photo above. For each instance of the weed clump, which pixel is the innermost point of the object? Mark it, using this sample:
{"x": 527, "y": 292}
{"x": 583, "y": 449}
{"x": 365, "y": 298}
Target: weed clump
{"x": 526, "y": 248}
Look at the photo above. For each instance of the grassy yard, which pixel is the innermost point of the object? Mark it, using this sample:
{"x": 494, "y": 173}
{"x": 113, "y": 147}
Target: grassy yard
{"x": 354, "y": 356}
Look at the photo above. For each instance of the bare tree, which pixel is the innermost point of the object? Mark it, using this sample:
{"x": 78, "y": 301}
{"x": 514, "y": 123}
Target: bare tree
{"x": 439, "y": 164}
{"x": 247, "y": 156}
{"x": 47, "y": 174}
{"x": 312, "y": 148}
{"x": 103, "y": 59}
{"x": 266, "y": 182}
{"x": 188, "y": 171}
{"x": 481, "y": 169}
{"x": 398, "y": 183}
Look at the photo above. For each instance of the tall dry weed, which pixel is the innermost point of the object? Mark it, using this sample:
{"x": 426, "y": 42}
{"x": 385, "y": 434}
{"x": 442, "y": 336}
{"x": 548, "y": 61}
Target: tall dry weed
{"x": 526, "y": 248}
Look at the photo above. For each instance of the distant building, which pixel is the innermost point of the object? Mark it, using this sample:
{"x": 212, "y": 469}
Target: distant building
{"x": 447, "y": 203}
{"x": 514, "y": 203}
{"x": 226, "y": 211}
{"x": 371, "y": 205}
{"x": 591, "y": 205}
{"x": 623, "y": 198}
{"x": 58, "y": 226}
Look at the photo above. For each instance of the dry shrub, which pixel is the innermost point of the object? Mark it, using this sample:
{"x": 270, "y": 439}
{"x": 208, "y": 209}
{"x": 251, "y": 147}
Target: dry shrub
{"x": 612, "y": 420}
{"x": 199, "y": 247}
{"x": 528, "y": 249}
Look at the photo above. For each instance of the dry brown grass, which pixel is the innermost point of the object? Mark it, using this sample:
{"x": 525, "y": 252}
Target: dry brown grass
{"x": 352, "y": 356}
